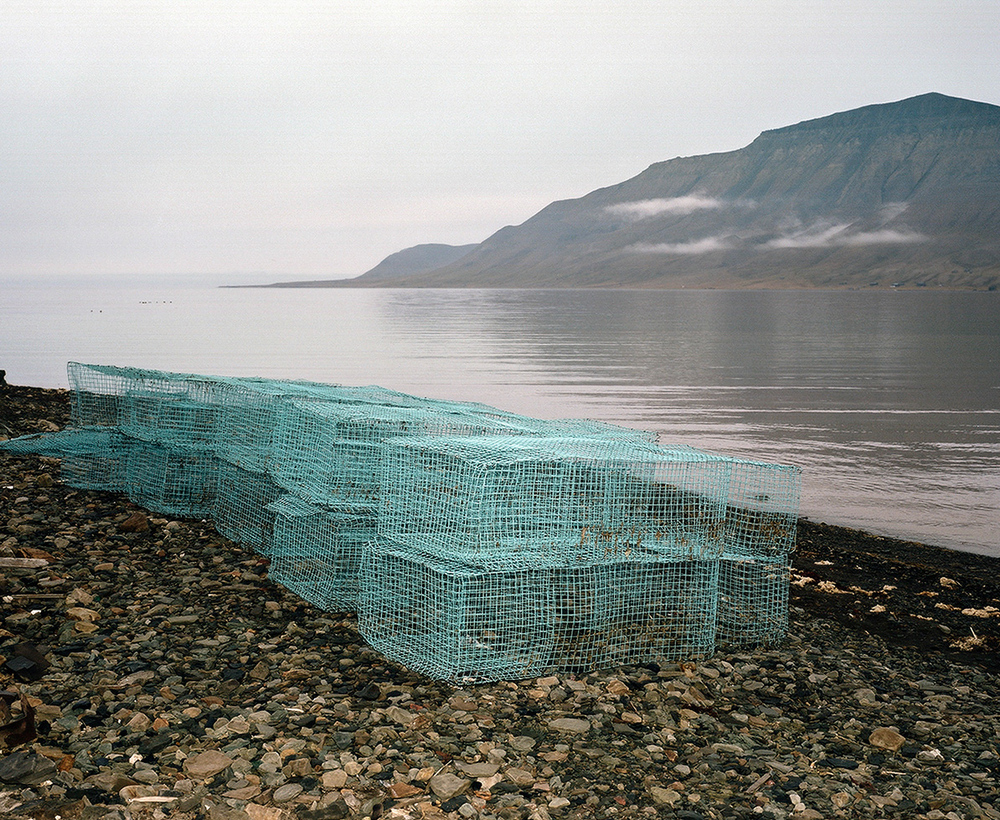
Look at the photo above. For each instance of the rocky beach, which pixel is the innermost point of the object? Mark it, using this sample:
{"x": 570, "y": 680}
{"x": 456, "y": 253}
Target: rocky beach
{"x": 149, "y": 668}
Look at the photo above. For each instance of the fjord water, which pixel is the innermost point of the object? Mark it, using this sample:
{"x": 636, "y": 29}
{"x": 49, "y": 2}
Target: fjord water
{"x": 888, "y": 400}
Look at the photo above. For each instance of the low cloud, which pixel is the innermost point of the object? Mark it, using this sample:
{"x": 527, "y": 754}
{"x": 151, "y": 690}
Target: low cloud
{"x": 832, "y": 236}
{"x": 891, "y": 210}
{"x": 676, "y": 206}
{"x": 884, "y": 237}
{"x": 697, "y": 246}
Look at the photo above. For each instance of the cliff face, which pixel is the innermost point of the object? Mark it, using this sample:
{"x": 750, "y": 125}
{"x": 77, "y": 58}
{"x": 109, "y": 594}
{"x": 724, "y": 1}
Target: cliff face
{"x": 905, "y": 193}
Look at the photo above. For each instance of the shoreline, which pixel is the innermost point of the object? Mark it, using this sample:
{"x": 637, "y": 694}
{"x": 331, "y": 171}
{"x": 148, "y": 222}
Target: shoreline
{"x": 176, "y": 679}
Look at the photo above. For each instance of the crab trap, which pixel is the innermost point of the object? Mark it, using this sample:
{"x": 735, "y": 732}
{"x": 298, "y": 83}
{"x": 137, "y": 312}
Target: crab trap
{"x": 92, "y": 458}
{"x": 753, "y": 600}
{"x": 471, "y": 623}
{"x": 475, "y": 544}
{"x": 241, "y": 511}
{"x": 330, "y": 453}
{"x": 171, "y": 480}
{"x": 316, "y": 552}
{"x": 506, "y": 499}
{"x": 761, "y": 519}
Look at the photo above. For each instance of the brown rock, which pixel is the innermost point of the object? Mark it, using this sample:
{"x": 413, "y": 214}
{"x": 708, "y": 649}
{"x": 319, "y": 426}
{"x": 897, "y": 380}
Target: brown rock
{"x": 207, "y": 764}
{"x": 80, "y": 613}
{"x": 137, "y": 522}
{"x": 85, "y": 627}
{"x": 401, "y": 790}
{"x": 886, "y": 738}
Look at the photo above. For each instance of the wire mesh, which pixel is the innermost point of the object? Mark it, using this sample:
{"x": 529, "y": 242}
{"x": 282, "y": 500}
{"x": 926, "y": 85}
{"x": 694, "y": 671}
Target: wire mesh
{"x": 241, "y": 508}
{"x": 753, "y": 600}
{"x": 329, "y": 453}
{"x": 452, "y": 621}
{"x": 476, "y": 544}
{"x": 763, "y": 509}
{"x": 92, "y": 458}
{"x": 644, "y": 609}
{"x": 501, "y": 498}
{"x": 251, "y": 411}
{"x": 317, "y": 552}
{"x": 761, "y": 520}
{"x": 171, "y": 420}
{"x": 171, "y": 480}
{"x": 96, "y": 393}
{"x": 53, "y": 445}
{"x": 466, "y": 623}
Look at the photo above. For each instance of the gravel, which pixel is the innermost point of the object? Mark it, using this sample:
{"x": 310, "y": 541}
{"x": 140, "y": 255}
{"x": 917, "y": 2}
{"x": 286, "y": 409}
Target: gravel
{"x": 168, "y": 677}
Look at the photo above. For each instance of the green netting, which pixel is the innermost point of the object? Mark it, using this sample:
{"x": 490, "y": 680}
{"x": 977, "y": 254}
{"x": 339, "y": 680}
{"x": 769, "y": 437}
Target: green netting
{"x": 99, "y": 463}
{"x": 123, "y": 397}
{"x": 455, "y": 621}
{"x": 241, "y": 509}
{"x": 647, "y": 609}
{"x": 753, "y": 600}
{"x": 517, "y": 424}
{"x": 501, "y": 498}
{"x": 316, "y": 552}
{"x": 505, "y": 545}
{"x": 252, "y": 410}
{"x": 329, "y": 453}
{"x": 171, "y": 480}
{"x": 93, "y": 458}
{"x": 759, "y": 536}
{"x": 451, "y": 621}
{"x": 53, "y": 445}
{"x": 171, "y": 420}
{"x": 763, "y": 509}
{"x": 96, "y": 394}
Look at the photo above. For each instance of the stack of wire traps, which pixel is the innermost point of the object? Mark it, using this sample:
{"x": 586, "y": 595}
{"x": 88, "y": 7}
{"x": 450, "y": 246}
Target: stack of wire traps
{"x": 501, "y": 556}
{"x": 474, "y": 544}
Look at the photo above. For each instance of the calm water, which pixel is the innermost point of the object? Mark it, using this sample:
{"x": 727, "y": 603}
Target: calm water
{"x": 889, "y": 401}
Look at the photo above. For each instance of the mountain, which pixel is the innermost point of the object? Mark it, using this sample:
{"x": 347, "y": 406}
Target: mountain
{"x": 897, "y": 194}
{"x": 418, "y": 259}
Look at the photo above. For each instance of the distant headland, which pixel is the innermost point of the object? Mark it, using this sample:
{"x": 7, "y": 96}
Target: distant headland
{"x": 896, "y": 195}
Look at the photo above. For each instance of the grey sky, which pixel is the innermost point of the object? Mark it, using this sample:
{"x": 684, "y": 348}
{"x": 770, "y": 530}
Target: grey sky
{"x": 312, "y": 139}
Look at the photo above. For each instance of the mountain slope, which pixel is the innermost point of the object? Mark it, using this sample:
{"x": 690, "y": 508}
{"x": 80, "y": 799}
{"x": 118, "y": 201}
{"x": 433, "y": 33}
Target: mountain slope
{"x": 899, "y": 193}
{"x": 418, "y": 259}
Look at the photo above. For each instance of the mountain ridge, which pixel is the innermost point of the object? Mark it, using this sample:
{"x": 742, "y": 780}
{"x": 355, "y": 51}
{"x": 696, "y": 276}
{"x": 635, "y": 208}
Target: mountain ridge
{"x": 903, "y": 194}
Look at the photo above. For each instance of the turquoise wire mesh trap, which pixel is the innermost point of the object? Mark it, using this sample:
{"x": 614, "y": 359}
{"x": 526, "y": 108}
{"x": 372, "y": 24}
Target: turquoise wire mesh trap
{"x": 241, "y": 511}
{"x": 456, "y": 621}
{"x": 761, "y": 519}
{"x": 316, "y": 552}
{"x": 502, "y": 498}
{"x": 330, "y": 453}
{"x": 476, "y": 544}
{"x": 175, "y": 481}
{"x": 92, "y": 458}
{"x": 252, "y": 410}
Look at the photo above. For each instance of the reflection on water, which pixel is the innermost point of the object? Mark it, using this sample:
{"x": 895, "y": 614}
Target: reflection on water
{"x": 890, "y": 401}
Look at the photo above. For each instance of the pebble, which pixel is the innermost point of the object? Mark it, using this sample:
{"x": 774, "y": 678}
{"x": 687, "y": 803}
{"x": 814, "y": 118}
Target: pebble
{"x": 285, "y": 793}
{"x": 208, "y": 687}
{"x": 886, "y": 738}
{"x": 447, "y": 785}
{"x": 207, "y": 764}
{"x": 574, "y": 726}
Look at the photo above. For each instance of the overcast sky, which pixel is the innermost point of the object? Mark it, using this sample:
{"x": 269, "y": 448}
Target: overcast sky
{"x": 312, "y": 139}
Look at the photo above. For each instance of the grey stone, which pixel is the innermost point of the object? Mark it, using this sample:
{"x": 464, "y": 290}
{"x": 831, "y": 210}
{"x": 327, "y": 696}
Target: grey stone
{"x": 448, "y": 785}
{"x": 285, "y": 793}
